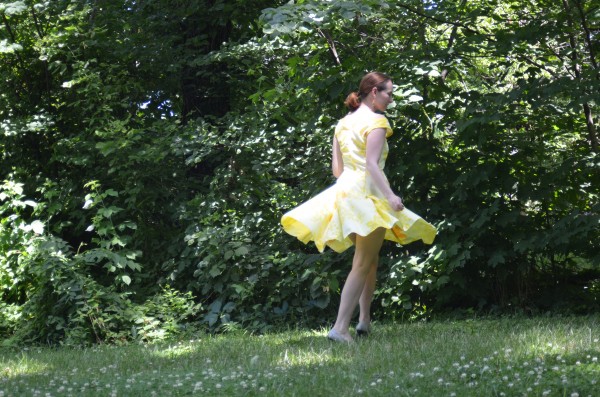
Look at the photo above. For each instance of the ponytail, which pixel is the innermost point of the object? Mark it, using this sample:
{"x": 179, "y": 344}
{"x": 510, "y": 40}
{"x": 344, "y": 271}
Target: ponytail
{"x": 352, "y": 101}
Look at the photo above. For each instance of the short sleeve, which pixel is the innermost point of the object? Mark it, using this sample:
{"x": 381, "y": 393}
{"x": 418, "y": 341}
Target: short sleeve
{"x": 379, "y": 122}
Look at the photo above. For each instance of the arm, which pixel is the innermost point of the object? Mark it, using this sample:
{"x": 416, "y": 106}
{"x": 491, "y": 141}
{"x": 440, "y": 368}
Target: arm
{"x": 375, "y": 142}
{"x": 337, "y": 164}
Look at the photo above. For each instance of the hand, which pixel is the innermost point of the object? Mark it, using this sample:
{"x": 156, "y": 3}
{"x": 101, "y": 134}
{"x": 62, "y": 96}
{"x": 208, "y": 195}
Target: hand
{"x": 396, "y": 203}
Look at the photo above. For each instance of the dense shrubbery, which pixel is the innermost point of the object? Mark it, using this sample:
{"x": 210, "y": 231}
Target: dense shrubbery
{"x": 149, "y": 150}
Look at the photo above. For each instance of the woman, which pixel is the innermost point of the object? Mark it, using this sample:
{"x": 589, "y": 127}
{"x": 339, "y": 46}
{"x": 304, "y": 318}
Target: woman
{"x": 361, "y": 209}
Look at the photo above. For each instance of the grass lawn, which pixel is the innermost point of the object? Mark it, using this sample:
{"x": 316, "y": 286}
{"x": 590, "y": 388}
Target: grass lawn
{"x": 544, "y": 356}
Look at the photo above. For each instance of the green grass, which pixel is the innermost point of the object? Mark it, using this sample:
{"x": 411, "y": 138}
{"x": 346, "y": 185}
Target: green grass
{"x": 550, "y": 356}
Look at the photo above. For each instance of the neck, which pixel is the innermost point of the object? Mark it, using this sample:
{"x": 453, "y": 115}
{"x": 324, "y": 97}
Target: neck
{"x": 366, "y": 107}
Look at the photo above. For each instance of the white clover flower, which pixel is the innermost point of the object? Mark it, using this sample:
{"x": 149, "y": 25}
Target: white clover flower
{"x": 574, "y": 394}
{"x": 595, "y": 359}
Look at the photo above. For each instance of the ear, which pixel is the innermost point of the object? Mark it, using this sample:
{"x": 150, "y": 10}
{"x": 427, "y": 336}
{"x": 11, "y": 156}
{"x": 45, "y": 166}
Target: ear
{"x": 374, "y": 90}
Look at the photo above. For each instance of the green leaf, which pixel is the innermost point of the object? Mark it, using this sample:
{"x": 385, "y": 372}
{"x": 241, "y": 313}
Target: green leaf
{"x": 37, "y": 227}
{"x": 241, "y": 251}
{"x": 14, "y": 8}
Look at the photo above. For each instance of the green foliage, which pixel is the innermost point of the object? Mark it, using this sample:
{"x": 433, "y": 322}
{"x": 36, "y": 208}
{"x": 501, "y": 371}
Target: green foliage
{"x": 17, "y": 235}
{"x": 146, "y": 144}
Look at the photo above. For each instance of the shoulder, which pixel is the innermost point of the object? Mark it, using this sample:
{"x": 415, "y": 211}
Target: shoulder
{"x": 379, "y": 121}
{"x": 340, "y": 124}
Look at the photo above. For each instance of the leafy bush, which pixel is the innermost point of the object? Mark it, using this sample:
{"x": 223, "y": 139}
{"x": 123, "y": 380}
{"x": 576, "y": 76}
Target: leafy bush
{"x": 130, "y": 165}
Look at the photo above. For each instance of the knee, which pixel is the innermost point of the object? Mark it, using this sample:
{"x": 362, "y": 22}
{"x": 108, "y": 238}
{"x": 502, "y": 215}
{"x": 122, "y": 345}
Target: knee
{"x": 364, "y": 264}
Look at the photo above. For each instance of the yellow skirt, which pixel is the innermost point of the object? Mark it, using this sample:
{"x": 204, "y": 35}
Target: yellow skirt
{"x": 333, "y": 215}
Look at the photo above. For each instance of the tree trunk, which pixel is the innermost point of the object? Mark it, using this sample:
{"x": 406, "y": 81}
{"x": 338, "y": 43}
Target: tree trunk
{"x": 589, "y": 119}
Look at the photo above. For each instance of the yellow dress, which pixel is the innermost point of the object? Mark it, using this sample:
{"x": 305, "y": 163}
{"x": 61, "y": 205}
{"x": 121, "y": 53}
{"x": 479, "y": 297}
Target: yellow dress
{"x": 354, "y": 204}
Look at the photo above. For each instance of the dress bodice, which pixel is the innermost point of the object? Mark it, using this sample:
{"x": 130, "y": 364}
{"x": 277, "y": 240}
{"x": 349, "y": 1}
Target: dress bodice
{"x": 351, "y": 133}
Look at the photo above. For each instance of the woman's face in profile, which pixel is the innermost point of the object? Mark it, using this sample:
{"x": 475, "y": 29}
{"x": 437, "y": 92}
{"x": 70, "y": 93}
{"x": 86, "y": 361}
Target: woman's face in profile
{"x": 383, "y": 98}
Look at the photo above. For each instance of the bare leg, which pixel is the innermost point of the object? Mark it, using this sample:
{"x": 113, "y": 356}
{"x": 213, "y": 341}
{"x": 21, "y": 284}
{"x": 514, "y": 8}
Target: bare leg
{"x": 365, "y": 260}
{"x": 366, "y": 297}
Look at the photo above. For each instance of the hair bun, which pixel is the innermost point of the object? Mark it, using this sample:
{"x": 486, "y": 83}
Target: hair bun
{"x": 352, "y": 101}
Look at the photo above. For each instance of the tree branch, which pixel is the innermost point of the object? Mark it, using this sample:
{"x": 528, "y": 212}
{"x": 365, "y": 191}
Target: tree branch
{"x": 588, "y": 35}
{"x": 589, "y": 119}
{"x": 422, "y": 14}
{"x": 451, "y": 42}
{"x": 36, "y": 22}
{"x": 14, "y": 40}
{"x": 331, "y": 45}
